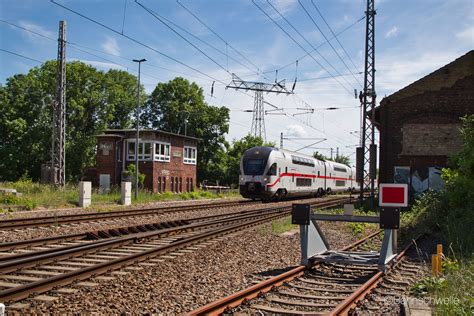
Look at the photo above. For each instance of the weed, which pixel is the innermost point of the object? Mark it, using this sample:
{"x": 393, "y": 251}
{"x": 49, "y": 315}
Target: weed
{"x": 283, "y": 225}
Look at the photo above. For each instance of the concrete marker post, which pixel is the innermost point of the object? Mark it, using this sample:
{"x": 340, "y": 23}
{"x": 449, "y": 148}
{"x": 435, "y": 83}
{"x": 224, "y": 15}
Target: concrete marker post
{"x": 85, "y": 193}
{"x": 126, "y": 193}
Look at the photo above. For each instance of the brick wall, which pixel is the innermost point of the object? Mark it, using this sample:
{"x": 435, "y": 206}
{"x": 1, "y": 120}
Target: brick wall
{"x": 159, "y": 176}
{"x": 429, "y": 111}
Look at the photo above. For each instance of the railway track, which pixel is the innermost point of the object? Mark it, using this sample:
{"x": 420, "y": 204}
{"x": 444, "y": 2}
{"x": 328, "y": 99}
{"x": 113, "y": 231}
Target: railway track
{"x": 55, "y": 265}
{"x": 19, "y": 223}
{"x": 321, "y": 289}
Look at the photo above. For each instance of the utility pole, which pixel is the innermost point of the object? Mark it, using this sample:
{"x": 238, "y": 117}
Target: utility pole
{"x": 58, "y": 154}
{"x": 281, "y": 140}
{"x": 367, "y": 152}
{"x": 137, "y": 147}
{"x": 258, "y": 121}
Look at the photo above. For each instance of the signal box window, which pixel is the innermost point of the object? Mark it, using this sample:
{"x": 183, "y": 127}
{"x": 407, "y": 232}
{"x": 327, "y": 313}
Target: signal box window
{"x": 162, "y": 152}
{"x": 189, "y": 155}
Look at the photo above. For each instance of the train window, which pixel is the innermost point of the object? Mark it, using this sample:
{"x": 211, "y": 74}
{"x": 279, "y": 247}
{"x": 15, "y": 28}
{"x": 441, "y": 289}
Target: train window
{"x": 254, "y": 167}
{"x": 303, "y": 182}
{"x": 286, "y": 169}
{"x": 318, "y": 173}
{"x": 340, "y": 169}
{"x": 302, "y": 161}
{"x": 279, "y": 171}
{"x": 272, "y": 171}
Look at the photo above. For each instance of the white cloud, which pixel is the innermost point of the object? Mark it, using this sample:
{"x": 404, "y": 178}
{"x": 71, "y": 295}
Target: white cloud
{"x": 35, "y": 28}
{"x": 396, "y": 71}
{"x": 392, "y": 32}
{"x": 110, "y": 46}
{"x": 102, "y": 65}
{"x": 284, "y": 6}
{"x": 294, "y": 131}
{"x": 467, "y": 34}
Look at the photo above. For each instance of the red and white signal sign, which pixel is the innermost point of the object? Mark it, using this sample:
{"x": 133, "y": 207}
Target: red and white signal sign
{"x": 393, "y": 195}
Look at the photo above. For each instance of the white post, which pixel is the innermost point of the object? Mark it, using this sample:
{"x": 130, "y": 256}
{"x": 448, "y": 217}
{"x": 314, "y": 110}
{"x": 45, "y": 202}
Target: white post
{"x": 2, "y": 309}
{"x": 85, "y": 193}
{"x": 126, "y": 198}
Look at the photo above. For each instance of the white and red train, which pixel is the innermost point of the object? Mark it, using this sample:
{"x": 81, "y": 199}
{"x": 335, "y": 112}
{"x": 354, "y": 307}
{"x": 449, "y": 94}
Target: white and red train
{"x": 271, "y": 173}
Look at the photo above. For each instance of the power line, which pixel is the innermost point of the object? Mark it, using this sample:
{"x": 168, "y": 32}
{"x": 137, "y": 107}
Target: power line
{"x": 319, "y": 46}
{"x": 297, "y": 43}
{"x": 204, "y": 42}
{"x": 152, "y": 13}
{"x": 307, "y": 41}
{"x": 219, "y": 36}
{"x": 135, "y": 41}
{"x": 84, "y": 49}
{"x": 327, "y": 77}
{"x": 334, "y": 35}
{"x": 324, "y": 35}
{"x": 20, "y": 55}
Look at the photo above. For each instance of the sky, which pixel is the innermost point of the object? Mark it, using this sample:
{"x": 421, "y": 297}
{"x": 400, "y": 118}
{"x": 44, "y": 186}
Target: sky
{"x": 224, "y": 37}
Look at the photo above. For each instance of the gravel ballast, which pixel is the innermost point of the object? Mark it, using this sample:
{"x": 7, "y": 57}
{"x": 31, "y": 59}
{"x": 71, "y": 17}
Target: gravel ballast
{"x": 189, "y": 281}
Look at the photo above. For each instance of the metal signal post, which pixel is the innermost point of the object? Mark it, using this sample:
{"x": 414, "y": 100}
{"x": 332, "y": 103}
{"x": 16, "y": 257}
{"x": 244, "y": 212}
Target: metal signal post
{"x": 367, "y": 154}
{"x": 58, "y": 155}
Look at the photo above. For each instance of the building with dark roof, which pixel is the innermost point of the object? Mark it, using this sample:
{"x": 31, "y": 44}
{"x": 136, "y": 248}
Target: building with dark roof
{"x": 168, "y": 160}
{"x": 419, "y": 125}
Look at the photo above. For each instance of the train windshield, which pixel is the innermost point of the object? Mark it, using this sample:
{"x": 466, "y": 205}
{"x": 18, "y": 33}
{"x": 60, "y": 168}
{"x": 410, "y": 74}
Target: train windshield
{"x": 254, "y": 167}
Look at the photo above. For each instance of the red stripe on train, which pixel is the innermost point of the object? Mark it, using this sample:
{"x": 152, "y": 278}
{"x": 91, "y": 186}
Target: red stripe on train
{"x": 303, "y": 176}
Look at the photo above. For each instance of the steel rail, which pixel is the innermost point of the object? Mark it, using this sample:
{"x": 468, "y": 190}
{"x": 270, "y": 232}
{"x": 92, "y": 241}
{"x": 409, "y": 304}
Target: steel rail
{"x": 234, "y": 300}
{"x": 73, "y": 218}
{"x": 23, "y": 291}
{"x": 25, "y": 260}
{"x": 350, "y": 302}
{"x": 44, "y": 241}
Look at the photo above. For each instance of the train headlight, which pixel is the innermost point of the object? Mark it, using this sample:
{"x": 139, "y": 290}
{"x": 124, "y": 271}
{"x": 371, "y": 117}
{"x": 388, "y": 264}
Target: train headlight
{"x": 265, "y": 179}
{"x": 242, "y": 178}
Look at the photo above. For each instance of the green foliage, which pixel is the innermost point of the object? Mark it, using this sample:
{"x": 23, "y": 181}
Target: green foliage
{"x": 94, "y": 100}
{"x": 130, "y": 173}
{"x": 283, "y": 225}
{"x": 339, "y": 158}
{"x": 234, "y": 154}
{"x": 178, "y": 101}
{"x": 448, "y": 216}
{"x": 22, "y": 202}
{"x": 428, "y": 285}
{"x": 358, "y": 229}
{"x": 320, "y": 156}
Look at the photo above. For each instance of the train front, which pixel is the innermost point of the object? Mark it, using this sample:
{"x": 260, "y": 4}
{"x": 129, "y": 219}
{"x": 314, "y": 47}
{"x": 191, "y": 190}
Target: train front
{"x": 252, "y": 179}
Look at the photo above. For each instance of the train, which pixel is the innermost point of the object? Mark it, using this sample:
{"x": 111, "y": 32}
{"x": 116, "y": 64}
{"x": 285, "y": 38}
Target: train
{"x": 269, "y": 173}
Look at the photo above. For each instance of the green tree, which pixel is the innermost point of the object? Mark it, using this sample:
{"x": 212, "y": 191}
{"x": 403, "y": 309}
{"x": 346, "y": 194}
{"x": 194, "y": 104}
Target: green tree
{"x": 94, "y": 100}
{"x": 319, "y": 156}
{"x": 234, "y": 154}
{"x": 339, "y": 158}
{"x": 343, "y": 159}
{"x": 178, "y": 101}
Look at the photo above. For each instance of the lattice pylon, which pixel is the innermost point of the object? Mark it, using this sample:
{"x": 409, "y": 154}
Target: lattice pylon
{"x": 258, "y": 120}
{"x": 368, "y": 98}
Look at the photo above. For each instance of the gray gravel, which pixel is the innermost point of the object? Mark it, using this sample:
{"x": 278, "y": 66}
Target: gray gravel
{"x": 49, "y": 231}
{"x": 187, "y": 282}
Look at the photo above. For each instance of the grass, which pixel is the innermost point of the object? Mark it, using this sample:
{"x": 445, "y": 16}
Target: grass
{"x": 452, "y": 292}
{"x": 36, "y": 195}
{"x": 283, "y": 225}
